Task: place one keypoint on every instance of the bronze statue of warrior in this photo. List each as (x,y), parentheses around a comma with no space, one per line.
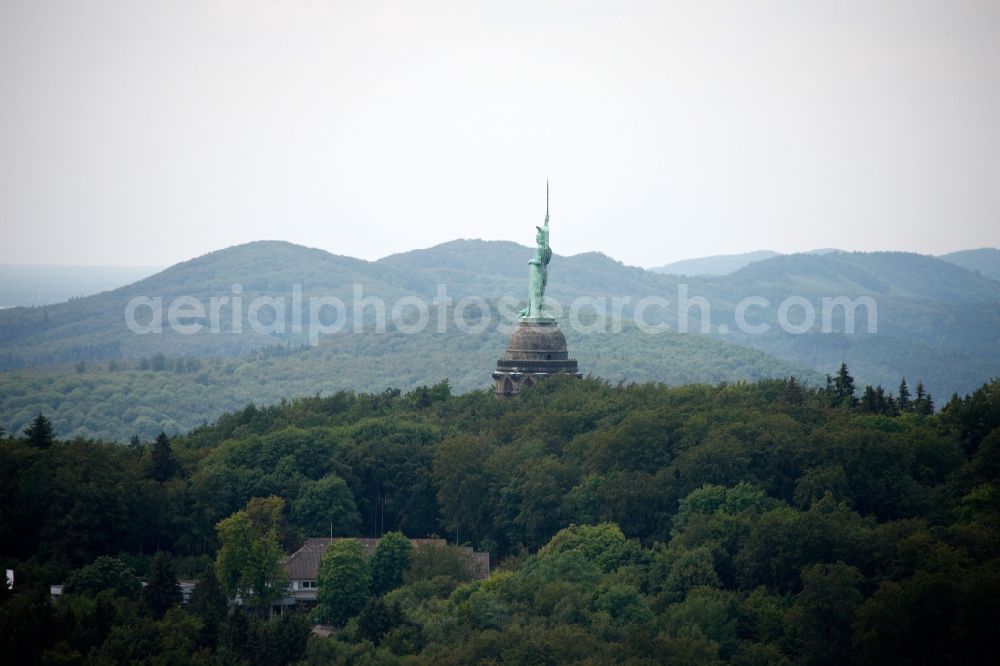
(538,272)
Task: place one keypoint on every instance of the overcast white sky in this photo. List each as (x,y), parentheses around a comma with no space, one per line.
(151,132)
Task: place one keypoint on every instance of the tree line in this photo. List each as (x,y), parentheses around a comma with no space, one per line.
(841,391)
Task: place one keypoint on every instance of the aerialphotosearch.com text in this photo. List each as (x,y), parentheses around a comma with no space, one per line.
(316,316)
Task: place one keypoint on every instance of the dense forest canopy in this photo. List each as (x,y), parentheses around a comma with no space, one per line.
(748,523)
(115,400)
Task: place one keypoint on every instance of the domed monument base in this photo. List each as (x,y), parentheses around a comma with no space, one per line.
(537,349)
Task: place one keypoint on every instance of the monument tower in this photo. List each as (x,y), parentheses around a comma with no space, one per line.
(537,348)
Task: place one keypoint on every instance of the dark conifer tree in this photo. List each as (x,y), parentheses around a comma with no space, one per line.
(287,636)
(843,387)
(235,638)
(955,402)
(208,602)
(40,433)
(923,403)
(163,466)
(793,392)
(869,401)
(886,404)
(162,592)
(905,404)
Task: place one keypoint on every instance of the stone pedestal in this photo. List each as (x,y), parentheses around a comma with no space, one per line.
(537,350)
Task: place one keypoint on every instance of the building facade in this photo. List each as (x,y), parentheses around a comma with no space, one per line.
(302,566)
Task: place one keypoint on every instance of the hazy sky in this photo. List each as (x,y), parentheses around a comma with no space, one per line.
(148,132)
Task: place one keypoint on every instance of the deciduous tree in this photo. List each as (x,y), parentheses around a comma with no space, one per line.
(104,573)
(824,612)
(326,505)
(344,581)
(248,563)
(389,562)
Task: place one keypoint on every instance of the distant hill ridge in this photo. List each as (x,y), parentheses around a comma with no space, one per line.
(984,260)
(27,285)
(720,264)
(936,321)
(901,274)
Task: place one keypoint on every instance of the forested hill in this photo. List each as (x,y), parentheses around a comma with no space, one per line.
(936,323)
(93,328)
(887,274)
(763,523)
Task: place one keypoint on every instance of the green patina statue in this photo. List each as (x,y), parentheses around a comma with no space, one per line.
(538,271)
